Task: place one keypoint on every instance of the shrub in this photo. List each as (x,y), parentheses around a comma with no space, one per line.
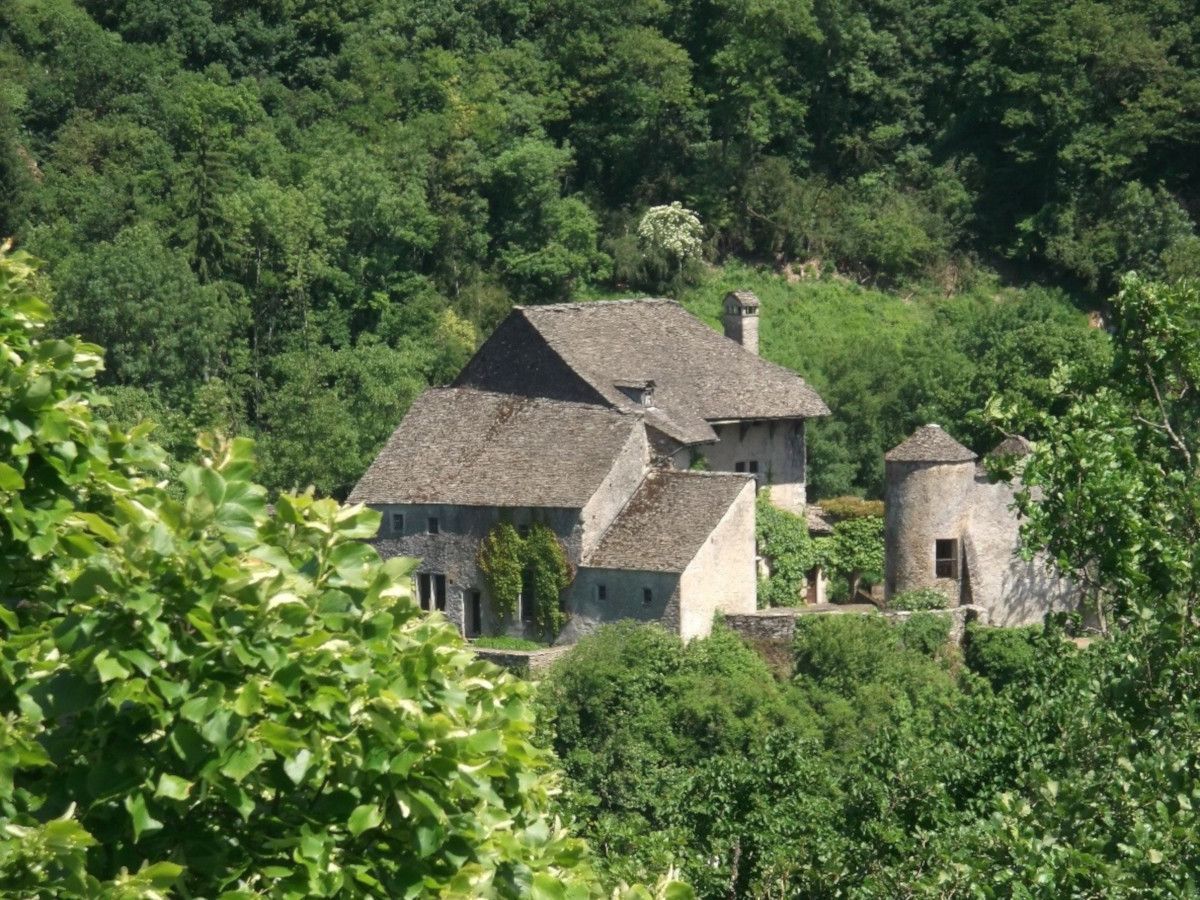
(783,540)
(925,633)
(850,507)
(506,642)
(919,600)
(231,701)
(537,563)
(1002,655)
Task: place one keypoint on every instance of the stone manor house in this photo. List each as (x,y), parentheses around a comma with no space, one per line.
(592,418)
(640,437)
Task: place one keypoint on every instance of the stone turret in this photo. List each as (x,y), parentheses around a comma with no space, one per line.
(929,482)
(741,319)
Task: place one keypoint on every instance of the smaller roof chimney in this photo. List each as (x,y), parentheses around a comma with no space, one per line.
(741,319)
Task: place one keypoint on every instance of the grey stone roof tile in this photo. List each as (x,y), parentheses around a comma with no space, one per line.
(1013,446)
(818,524)
(929,443)
(667,521)
(477,448)
(699,376)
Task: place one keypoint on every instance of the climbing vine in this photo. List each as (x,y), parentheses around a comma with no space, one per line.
(783,540)
(549,574)
(500,559)
(510,563)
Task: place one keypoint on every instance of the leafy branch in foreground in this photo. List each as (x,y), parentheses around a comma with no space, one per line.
(227,700)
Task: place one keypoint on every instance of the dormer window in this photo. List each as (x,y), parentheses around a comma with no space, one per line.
(640,391)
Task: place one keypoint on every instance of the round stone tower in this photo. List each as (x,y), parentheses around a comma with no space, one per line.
(928,484)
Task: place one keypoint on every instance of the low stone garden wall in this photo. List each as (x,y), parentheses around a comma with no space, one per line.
(771,631)
(523,662)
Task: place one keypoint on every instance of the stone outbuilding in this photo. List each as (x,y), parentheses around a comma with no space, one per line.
(949,527)
(593,419)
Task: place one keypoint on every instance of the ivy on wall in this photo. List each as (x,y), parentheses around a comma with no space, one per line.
(511,562)
(500,560)
(549,575)
(784,541)
(851,555)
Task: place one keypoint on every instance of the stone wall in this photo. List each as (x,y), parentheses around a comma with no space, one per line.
(931,501)
(925,502)
(616,489)
(528,663)
(624,598)
(723,576)
(453,550)
(1015,591)
(771,632)
(779,448)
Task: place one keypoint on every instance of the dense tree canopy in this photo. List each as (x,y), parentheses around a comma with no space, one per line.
(202,694)
(231,195)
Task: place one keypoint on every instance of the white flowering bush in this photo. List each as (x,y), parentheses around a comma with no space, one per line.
(673,230)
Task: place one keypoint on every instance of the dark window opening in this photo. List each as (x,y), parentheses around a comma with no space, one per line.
(439,592)
(434,526)
(424,590)
(397,523)
(601,592)
(739,467)
(523,530)
(945,558)
(474,623)
(647,596)
(752,467)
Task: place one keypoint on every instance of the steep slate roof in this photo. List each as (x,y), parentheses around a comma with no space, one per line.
(699,375)
(476,448)
(667,521)
(929,444)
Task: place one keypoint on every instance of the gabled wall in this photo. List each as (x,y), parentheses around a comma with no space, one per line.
(723,575)
(779,448)
(517,360)
(1013,590)
(616,489)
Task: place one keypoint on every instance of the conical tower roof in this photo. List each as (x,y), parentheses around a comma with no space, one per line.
(930,443)
(1015,446)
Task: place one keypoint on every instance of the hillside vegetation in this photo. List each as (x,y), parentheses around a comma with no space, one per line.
(284,218)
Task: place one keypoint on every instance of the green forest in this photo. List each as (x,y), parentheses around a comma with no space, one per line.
(284,218)
(238,238)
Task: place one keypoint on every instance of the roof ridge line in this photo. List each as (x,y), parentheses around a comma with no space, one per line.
(588,304)
(533,398)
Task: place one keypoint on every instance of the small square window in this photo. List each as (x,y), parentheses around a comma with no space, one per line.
(523,530)
(601,592)
(752,466)
(647,596)
(945,558)
(739,467)
(434,526)
(397,523)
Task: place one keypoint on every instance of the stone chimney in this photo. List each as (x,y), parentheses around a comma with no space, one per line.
(741,319)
